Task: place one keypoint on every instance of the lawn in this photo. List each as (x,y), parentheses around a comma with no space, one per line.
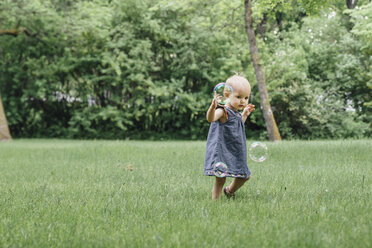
(65,193)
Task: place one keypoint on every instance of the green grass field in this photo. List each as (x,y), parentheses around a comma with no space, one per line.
(59,193)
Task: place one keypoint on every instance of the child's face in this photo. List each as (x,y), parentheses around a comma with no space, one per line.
(240,97)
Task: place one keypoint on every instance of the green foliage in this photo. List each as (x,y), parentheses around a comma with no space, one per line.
(145,69)
(317,77)
(362,29)
(128,70)
(361,18)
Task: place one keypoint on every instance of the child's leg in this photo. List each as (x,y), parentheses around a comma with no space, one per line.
(217,188)
(236,184)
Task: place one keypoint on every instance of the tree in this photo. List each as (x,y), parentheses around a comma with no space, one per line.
(271,126)
(351,3)
(4,130)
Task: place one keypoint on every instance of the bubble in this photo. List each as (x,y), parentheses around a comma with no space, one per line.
(222,93)
(258,152)
(220,169)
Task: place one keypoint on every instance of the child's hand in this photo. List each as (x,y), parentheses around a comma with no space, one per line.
(217,97)
(214,104)
(248,110)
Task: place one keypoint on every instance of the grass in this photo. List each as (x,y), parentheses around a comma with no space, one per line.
(63,193)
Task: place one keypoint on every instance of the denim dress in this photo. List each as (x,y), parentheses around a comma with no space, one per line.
(226,146)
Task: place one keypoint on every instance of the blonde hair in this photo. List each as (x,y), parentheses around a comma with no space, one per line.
(236,81)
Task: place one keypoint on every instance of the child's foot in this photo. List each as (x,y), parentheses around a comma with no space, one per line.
(228,194)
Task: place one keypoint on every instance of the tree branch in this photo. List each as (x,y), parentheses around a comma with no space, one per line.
(16,31)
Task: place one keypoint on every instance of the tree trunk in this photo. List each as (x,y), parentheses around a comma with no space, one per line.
(351,3)
(4,130)
(271,126)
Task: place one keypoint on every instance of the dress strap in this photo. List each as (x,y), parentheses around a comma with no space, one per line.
(224,110)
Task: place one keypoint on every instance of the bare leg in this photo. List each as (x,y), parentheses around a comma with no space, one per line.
(237,183)
(217,188)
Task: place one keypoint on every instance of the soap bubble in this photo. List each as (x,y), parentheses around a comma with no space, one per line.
(222,93)
(258,151)
(220,169)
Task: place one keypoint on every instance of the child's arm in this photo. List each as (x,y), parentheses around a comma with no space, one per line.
(247,111)
(214,114)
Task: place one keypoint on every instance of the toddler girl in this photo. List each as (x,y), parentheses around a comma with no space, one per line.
(226,142)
